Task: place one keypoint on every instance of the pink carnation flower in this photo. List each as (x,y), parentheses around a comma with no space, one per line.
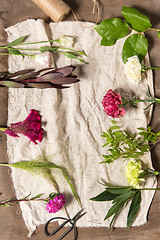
(56,204)
(30,127)
(110,103)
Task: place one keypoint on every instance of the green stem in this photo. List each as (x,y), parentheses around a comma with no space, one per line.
(148,68)
(37,42)
(24,49)
(154,189)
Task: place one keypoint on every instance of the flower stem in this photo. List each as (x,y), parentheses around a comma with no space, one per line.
(154,189)
(148,68)
(37,42)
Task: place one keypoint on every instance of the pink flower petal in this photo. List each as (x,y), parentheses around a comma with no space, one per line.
(30,127)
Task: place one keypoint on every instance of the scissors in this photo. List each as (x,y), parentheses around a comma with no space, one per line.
(72,221)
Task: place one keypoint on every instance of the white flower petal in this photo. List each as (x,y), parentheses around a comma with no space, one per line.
(132,69)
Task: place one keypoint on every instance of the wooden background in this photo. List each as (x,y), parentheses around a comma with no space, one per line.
(12,226)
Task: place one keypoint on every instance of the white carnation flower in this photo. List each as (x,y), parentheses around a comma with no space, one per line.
(66,41)
(132,69)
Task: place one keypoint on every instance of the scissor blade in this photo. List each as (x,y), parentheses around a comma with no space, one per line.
(78,215)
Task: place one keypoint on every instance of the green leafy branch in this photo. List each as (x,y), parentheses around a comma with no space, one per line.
(134,100)
(14,48)
(122,144)
(44,168)
(120,196)
(115,28)
(12,201)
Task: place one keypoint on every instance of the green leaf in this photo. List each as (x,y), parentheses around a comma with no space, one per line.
(135,205)
(71,185)
(111,30)
(136,44)
(137,20)
(124,196)
(158,34)
(6,205)
(48,49)
(12,84)
(118,190)
(14,51)
(104,196)
(115,208)
(17,41)
(113,128)
(37,196)
(115,216)
(106,42)
(69,54)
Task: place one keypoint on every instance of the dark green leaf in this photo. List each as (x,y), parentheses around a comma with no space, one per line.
(133,210)
(115,216)
(118,190)
(158,34)
(124,196)
(137,20)
(136,44)
(69,55)
(104,196)
(14,51)
(17,41)
(48,49)
(115,208)
(111,30)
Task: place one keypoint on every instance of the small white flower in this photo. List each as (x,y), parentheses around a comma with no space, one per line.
(45,59)
(66,41)
(132,69)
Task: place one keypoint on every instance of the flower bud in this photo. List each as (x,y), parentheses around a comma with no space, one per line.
(66,41)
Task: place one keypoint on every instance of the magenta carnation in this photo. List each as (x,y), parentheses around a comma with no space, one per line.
(111,102)
(30,127)
(56,204)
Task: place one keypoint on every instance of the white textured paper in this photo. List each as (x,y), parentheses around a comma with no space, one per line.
(73,120)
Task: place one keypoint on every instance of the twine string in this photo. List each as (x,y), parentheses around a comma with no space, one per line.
(96,8)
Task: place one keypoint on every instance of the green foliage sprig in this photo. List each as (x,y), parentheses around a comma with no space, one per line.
(16,48)
(115,28)
(122,144)
(120,196)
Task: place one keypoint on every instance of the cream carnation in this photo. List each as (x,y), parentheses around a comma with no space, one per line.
(132,69)
(133,172)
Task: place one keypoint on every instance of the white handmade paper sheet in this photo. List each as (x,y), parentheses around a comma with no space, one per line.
(73,120)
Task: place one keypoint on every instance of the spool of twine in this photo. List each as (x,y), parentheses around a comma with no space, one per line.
(57,10)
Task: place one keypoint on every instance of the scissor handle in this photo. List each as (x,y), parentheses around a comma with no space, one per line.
(60,227)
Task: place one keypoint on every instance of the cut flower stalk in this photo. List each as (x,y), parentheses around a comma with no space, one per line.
(54,202)
(120,196)
(44,167)
(14,49)
(45,78)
